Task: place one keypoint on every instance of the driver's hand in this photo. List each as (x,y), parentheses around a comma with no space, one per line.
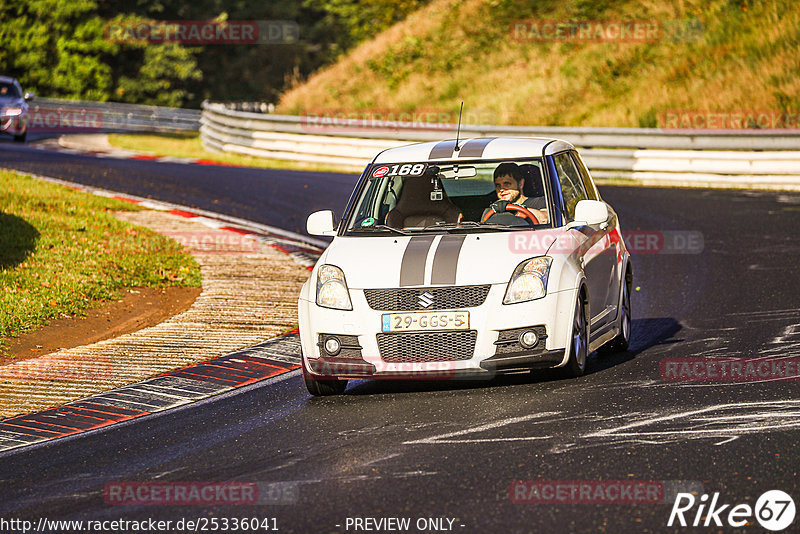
(499,206)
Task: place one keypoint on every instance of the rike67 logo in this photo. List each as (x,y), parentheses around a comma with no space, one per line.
(774,510)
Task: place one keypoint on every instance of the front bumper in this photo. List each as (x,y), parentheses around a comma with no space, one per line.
(493,350)
(350,368)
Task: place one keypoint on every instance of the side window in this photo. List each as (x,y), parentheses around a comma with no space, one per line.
(571,183)
(588,184)
(366,206)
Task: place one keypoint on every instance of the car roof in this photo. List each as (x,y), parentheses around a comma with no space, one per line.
(7,79)
(479,148)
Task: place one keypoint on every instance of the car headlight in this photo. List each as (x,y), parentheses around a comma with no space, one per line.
(332,288)
(529,281)
(12,111)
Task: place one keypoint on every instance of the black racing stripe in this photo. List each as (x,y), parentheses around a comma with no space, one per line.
(445,262)
(474,148)
(443,149)
(412,269)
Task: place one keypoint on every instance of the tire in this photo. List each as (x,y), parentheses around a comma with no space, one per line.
(621,342)
(579,344)
(20,138)
(323,388)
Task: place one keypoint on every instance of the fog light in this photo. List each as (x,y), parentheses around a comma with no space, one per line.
(528,339)
(332,346)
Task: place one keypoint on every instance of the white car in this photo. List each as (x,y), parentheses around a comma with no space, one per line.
(429,277)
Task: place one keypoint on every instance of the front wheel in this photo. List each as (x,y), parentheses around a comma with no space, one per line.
(579,345)
(323,388)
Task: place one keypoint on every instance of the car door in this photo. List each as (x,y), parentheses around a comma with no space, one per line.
(613,251)
(597,253)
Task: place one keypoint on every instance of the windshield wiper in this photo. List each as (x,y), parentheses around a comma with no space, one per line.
(443,224)
(379,227)
(468,224)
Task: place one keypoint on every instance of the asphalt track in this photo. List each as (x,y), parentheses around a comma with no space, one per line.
(453,449)
(284,199)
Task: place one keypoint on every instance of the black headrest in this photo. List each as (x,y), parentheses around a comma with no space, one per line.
(415,207)
(533,180)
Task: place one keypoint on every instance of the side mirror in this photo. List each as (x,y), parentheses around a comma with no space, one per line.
(590,212)
(28,96)
(321,223)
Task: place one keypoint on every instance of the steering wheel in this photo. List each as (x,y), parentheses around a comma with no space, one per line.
(514,207)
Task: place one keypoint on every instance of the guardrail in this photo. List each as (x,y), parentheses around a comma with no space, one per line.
(57,114)
(747,158)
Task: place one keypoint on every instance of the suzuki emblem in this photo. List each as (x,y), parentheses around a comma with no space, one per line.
(425,300)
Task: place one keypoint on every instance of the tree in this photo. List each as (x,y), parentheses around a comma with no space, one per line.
(62,49)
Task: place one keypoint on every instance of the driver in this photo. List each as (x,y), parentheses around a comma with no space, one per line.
(508,184)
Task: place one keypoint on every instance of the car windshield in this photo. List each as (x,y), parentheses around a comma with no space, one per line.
(8,90)
(451,196)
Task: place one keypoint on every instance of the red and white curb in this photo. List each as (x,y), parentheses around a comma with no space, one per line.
(266,360)
(270,359)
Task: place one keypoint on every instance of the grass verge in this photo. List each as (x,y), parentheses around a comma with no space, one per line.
(188,145)
(62,251)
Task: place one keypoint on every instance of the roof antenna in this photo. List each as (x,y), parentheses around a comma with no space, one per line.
(458,132)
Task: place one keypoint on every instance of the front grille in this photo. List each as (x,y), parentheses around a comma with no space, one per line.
(427,346)
(444,298)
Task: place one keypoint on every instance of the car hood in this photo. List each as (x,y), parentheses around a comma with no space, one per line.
(435,259)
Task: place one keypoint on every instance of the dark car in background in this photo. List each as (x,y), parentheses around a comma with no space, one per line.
(14,109)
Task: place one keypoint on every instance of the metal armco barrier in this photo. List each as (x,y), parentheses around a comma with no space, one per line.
(745,158)
(54,114)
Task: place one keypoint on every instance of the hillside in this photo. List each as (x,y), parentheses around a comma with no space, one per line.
(708,55)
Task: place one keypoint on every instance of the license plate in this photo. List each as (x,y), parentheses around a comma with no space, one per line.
(404,322)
